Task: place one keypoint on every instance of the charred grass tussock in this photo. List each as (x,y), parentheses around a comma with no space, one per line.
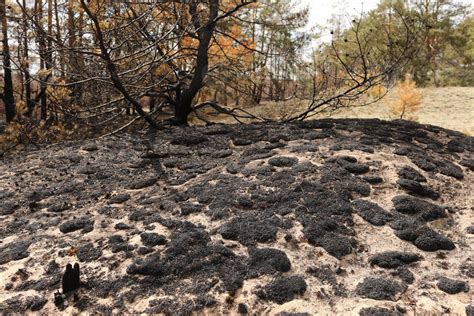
(214,223)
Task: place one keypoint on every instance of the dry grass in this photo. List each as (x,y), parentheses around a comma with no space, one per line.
(451,108)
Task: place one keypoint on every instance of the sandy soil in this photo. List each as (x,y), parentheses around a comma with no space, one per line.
(451,108)
(221,194)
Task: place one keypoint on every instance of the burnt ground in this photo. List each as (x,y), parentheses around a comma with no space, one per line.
(331,216)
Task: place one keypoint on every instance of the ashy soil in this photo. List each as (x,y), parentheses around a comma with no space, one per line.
(320,217)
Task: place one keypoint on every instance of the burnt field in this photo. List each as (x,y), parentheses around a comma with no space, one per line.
(343,216)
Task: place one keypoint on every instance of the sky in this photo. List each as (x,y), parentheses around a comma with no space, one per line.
(322,10)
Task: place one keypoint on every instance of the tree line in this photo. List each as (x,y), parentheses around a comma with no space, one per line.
(86,64)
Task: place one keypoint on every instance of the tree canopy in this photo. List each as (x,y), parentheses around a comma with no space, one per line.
(86,64)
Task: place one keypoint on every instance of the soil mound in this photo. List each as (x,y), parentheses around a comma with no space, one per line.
(329,216)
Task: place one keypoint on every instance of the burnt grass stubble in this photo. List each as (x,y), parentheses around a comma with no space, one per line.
(131,185)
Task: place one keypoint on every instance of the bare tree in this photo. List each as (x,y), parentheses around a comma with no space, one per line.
(176,54)
(187,68)
(363,58)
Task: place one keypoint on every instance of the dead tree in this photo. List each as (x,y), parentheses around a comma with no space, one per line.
(8,97)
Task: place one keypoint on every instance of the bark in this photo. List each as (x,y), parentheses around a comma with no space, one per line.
(184,105)
(49,53)
(8,97)
(75,62)
(225,94)
(41,36)
(26,68)
(71,40)
(58,39)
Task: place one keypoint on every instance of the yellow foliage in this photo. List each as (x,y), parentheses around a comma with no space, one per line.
(408,99)
(104,24)
(377,91)
(20,108)
(43,73)
(10,135)
(24,131)
(227,49)
(163,70)
(59,93)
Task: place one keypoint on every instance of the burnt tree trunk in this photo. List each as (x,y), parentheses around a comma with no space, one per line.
(184,104)
(43,59)
(26,68)
(8,97)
